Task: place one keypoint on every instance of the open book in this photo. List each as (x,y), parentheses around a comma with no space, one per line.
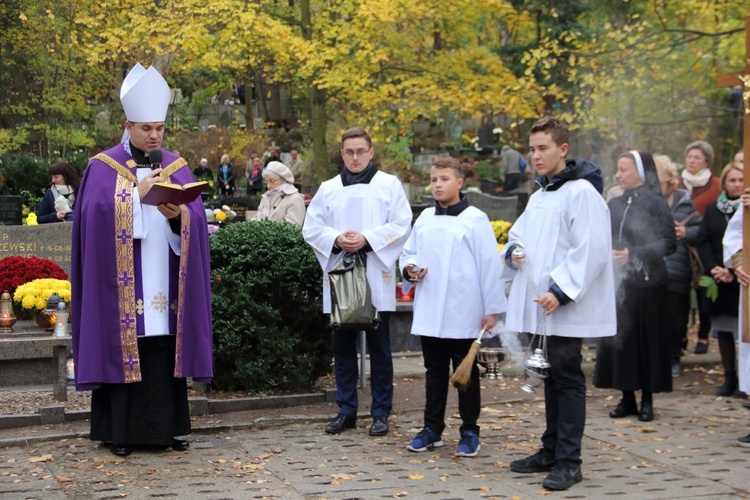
(162,193)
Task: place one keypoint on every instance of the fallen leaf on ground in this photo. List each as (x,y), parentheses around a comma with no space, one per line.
(416,476)
(62,479)
(43,458)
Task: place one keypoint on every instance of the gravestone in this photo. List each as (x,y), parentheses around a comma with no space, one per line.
(496,207)
(48,241)
(11,210)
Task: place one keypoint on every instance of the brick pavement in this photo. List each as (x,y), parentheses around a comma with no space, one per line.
(689,451)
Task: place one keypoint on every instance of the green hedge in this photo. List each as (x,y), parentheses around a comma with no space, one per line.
(269,330)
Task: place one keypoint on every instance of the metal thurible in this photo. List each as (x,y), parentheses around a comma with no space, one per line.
(536,369)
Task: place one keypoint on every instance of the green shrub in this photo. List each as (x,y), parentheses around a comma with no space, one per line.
(25,176)
(269,330)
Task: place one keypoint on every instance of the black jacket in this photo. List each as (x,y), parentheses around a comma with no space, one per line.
(643,223)
(575,168)
(710,235)
(678,264)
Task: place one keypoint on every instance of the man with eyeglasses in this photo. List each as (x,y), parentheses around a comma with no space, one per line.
(362,208)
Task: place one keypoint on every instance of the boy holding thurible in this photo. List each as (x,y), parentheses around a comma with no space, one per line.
(453,260)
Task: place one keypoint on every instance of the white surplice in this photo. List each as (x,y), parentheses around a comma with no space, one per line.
(380,211)
(732,243)
(462,283)
(567,237)
(157,240)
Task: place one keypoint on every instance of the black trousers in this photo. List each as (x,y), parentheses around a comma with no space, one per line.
(678,311)
(704,313)
(564,398)
(346,369)
(438,355)
(150,412)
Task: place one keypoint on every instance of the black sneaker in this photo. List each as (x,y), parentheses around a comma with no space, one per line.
(541,461)
(744,441)
(565,474)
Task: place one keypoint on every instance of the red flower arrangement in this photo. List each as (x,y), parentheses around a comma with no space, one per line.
(16,271)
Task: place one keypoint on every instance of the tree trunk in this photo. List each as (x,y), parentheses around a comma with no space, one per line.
(319,167)
(249,125)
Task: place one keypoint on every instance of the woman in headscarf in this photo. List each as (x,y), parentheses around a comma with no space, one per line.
(643,233)
(723,310)
(57,204)
(282,202)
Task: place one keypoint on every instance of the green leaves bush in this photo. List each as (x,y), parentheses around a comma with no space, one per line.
(269,330)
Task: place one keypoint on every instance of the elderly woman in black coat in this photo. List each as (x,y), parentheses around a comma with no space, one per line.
(643,233)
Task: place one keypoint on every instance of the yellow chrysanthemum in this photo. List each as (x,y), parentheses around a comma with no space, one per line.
(36,293)
(221,216)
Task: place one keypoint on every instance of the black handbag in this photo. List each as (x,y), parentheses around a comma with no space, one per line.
(351,298)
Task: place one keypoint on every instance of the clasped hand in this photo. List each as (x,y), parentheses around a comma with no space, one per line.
(351,241)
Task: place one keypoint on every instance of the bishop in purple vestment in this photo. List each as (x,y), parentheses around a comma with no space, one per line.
(121,252)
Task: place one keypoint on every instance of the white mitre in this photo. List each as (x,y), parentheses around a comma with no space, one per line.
(145,95)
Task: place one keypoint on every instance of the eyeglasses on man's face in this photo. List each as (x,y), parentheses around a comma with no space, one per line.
(351,153)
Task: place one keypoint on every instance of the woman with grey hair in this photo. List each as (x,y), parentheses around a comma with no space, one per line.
(282,202)
(704,189)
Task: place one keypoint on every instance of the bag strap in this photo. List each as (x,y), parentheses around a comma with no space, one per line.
(688,218)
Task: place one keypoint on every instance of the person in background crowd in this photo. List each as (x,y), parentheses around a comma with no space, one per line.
(686,223)
(254,175)
(282,202)
(296,166)
(704,188)
(57,204)
(361,209)
(723,310)
(510,164)
(202,172)
(225,177)
(273,155)
(643,234)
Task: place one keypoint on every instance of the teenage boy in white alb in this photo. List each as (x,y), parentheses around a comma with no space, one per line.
(565,231)
(459,292)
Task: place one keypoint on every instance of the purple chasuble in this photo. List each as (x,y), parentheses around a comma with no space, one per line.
(105,277)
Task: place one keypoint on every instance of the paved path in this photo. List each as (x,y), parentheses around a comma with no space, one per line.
(689,451)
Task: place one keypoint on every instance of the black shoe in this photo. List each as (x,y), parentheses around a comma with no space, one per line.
(739,394)
(341,423)
(180,445)
(729,386)
(120,451)
(647,411)
(379,426)
(624,409)
(541,461)
(701,347)
(565,474)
